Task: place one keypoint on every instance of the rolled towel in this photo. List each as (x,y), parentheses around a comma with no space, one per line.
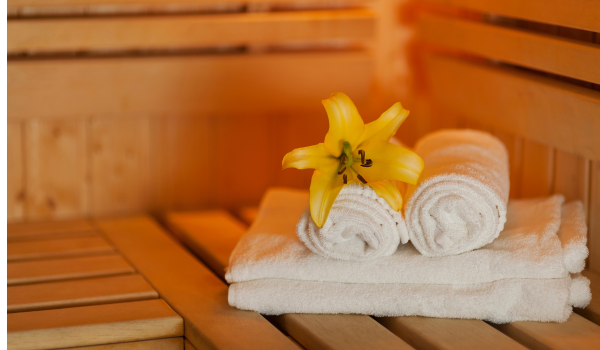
(460,201)
(361,226)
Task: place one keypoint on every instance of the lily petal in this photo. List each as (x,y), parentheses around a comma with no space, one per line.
(385,126)
(387,190)
(345,124)
(324,189)
(312,157)
(391,162)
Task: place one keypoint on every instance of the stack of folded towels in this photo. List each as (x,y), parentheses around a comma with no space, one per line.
(461,250)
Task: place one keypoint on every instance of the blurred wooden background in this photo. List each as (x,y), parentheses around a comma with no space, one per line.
(123,106)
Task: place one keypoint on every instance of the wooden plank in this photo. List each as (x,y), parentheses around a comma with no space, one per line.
(92,325)
(443,333)
(182,85)
(56,169)
(521,103)
(581,14)
(119,166)
(592,311)
(157,344)
(572,177)
(575,333)
(92,291)
(188,346)
(514,145)
(24,272)
(52,248)
(553,54)
(198,231)
(178,182)
(213,235)
(537,170)
(594,218)
(49,229)
(190,288)
(248,214)
(185,31)
(15,196)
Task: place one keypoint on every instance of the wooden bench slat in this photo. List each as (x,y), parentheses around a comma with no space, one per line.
(35,230)
(580,14)
(92,291)
(157,344)
(181,32)
(23,272)
(444,333)
(562,56)
(50,248)
(575,333)
(92,325)
(592,311)
(202,231)
(190,288)
(205,84)
(540,108)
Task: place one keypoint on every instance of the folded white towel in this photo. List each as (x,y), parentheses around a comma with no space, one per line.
(520,276)
(361,226)
(460,201)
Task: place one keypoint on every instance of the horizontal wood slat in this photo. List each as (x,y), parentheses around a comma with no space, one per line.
(184,32)
(214,234)
(24,272)
(182,85)
(91,325)
(575,333)
(94,291)
(52,248)
(157,344)
(592,311)
(546,110)
(562,56)
(581,14)
(53,229)
(190,288)
(444,333)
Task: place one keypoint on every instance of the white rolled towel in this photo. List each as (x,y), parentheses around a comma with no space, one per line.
(361,226)
(459,203)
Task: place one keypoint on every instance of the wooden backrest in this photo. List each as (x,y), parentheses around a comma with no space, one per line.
(529,72)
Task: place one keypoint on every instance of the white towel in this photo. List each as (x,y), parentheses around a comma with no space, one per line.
(520,276)
(459,203)
(361,226)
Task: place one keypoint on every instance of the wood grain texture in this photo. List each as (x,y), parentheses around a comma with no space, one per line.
(188,346)
(182,85)
(15,186)
(594,222)
(47,270)
(548,53)
(157,344)
(185,31)
(581,14)
(442,333)
(53,248)
(48,229)
(92,325)
(183,149)
(572,177)
(521,103)
(592,311)
(57,183)
(92,291)
(190,288)
(575,333)
(120,156)
(537,170)
(514,146)
(212,235)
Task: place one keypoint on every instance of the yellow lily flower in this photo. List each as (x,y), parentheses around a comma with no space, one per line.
(355,152)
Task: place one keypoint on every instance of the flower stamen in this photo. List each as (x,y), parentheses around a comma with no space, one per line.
(345,178)
(362,179)
(343,159)
(367,164)
(362,156)
(342,171)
